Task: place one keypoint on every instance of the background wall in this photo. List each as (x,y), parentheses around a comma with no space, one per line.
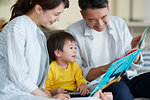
(5,6)
(117,7)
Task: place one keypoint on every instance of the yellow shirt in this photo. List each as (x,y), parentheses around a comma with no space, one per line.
(68,79)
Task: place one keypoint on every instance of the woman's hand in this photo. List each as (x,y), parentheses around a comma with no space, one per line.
(46,92)
(58,90)
(62,96)
(39,92)
(83,89)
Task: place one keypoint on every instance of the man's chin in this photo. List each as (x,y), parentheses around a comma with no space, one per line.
(99,30)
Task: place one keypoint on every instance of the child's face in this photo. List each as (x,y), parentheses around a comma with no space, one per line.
(69,51)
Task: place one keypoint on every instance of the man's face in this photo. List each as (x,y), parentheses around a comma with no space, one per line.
(96,18)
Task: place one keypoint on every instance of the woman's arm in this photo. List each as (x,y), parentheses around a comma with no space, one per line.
(39,92)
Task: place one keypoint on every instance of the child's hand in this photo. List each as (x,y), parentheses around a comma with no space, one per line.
(62,96)
(83,89)
(60,90)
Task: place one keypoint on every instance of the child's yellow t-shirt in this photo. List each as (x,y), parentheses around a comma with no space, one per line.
(68,79)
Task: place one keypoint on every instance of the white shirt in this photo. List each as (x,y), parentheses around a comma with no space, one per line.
(99,48)
(24,58)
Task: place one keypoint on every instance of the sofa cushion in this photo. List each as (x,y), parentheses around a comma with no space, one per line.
(146,58)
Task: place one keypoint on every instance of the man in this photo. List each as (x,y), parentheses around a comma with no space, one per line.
(101,40)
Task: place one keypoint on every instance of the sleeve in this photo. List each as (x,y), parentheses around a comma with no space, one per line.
(82,63)
(78,75)
(17,66)
(49,80)
(127,40)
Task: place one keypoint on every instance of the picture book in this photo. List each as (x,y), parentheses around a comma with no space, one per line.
(118,68)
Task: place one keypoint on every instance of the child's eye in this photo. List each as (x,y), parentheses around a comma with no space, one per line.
(71,47)
(75,47)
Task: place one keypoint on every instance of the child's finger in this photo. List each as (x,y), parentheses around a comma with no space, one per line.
(83,92)
(78,89)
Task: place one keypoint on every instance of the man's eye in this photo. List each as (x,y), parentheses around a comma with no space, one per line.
(92,20)
(104,17)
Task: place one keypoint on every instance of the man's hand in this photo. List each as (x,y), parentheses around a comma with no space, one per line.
(83,89)
(135,42)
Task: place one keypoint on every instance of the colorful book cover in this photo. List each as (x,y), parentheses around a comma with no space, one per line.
(118,68)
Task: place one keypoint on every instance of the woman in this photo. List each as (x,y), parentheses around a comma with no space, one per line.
(23,54)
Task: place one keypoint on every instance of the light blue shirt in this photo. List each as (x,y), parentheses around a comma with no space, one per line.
(24,58)
(119,43)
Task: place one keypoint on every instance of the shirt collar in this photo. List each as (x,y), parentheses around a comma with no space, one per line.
(34,26)
(110,26)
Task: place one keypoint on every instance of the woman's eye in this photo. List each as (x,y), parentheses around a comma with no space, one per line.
(56,14)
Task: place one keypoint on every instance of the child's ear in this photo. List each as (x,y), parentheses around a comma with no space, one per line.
(57,53)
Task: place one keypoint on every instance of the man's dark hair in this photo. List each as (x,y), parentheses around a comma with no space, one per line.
(93,4)
(56,41)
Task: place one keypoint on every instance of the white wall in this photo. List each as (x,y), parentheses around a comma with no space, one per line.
(117,7)
(5,6)
(139,9)
(69,16)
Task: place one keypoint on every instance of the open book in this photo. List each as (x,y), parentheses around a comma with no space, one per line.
(118,68)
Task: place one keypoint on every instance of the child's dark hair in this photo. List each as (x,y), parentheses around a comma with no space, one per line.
(56,41)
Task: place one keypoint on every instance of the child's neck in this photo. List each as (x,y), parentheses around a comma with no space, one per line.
(62,64)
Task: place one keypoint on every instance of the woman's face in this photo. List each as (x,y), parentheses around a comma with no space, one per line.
(48,17)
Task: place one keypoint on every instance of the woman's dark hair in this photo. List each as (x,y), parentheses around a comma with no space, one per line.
(56,41)
(23,6)
(93,4)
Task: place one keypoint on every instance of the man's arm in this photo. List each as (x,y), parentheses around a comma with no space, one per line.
(97,72)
